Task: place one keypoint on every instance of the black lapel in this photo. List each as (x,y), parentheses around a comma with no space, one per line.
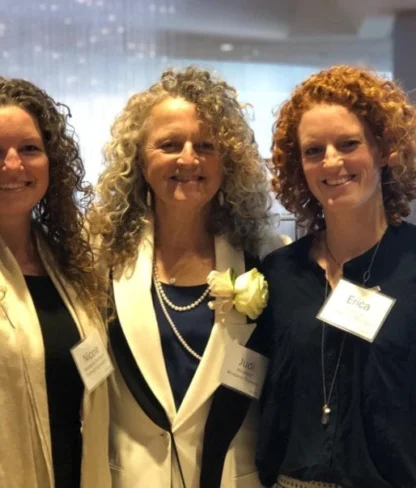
(226,416)
(134,378)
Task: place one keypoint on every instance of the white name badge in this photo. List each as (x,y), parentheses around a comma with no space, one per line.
(92,360)
(244,370)
(359,311)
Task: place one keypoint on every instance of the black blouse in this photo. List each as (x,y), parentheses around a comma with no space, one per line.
(370,440)
(63,383)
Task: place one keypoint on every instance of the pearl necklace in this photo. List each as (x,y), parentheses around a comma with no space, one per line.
(165,299)
(178,335)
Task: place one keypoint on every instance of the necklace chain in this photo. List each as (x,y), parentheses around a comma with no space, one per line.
(367,274)
(178,335)
(326,410)
(165,299)
(330,253)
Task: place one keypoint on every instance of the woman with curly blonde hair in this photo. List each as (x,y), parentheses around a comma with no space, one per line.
(184,193)
(47,289)
(340,396)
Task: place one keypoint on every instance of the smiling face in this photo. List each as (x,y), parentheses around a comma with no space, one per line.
(182,163)
(340,158)
(24,166)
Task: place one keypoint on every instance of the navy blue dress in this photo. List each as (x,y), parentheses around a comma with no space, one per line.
(195,327)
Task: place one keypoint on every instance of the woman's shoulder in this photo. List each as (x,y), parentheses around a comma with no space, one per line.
(272,241)
(404,231)
(400,240)
(292,253)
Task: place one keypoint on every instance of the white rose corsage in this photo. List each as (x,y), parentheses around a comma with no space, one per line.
(248,293)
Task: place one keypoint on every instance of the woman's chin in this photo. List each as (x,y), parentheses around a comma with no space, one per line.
(186,201)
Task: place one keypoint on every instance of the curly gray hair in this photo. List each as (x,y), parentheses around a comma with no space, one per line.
(120,213)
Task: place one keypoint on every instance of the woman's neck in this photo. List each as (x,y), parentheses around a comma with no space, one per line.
(184,249)
(348,235)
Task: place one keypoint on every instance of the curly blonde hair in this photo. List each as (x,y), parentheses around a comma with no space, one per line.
(121,212)
(387,112)
(60,213)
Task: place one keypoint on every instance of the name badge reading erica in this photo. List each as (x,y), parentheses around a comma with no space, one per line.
(92,360)
(359,311)
(244,370)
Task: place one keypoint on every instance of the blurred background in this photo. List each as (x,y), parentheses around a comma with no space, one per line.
(93,54)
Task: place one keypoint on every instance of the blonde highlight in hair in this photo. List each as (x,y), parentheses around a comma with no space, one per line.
(120,213)
(387,112)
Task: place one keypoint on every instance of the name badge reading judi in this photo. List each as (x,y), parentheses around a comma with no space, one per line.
(359,311)
(244,370)
(92,360)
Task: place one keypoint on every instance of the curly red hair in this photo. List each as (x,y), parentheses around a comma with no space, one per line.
(387,112)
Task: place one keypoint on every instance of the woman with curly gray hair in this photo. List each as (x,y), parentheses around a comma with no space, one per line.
(47,294)
(184,193)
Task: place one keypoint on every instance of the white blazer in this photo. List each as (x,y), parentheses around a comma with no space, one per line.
(25,446)
(141,452)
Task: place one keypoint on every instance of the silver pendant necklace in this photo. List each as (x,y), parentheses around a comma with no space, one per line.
(326,409)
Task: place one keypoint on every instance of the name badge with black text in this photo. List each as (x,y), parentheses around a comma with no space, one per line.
(244,370)
(359,311)
(92,360)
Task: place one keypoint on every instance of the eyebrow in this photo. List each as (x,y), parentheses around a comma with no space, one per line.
(32,139)
(308,139)
(173,134)
(164,133)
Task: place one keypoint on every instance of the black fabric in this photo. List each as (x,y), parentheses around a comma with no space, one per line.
(63,383)
(226,416)
(195,327)
(370,440)
(134,378)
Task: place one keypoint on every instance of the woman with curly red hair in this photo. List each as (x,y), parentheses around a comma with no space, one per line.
(53,431)
(339,402)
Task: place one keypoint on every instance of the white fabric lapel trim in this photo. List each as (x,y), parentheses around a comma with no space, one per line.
(134,305)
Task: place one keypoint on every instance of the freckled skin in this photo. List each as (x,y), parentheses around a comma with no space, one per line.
(340,158)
